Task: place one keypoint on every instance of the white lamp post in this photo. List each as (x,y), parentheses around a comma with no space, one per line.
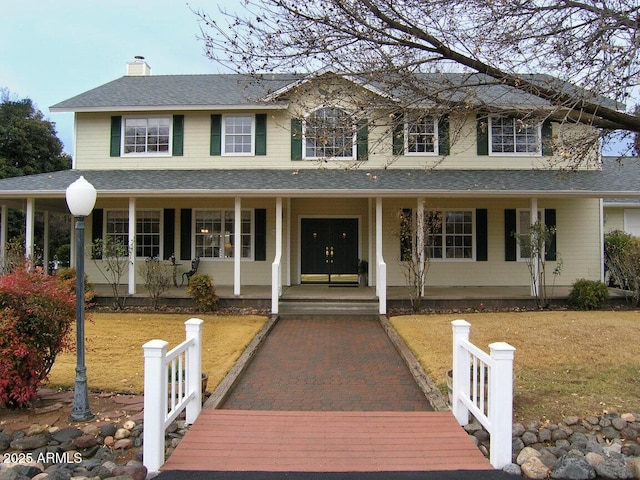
(81,198)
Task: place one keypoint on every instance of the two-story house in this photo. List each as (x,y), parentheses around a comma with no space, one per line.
(293,179)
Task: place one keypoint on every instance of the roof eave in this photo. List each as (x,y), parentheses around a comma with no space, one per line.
(161,108)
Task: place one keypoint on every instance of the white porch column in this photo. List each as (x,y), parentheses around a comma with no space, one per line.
(132,246)
(237,245)
(381,267)
(3,233)
(602,272)
(370,243)
(276,266)
(420,242)
(29,228)
(45,251)
(533,218)
(288,246)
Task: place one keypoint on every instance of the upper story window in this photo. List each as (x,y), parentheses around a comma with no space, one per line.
(238,134)
(147,136)
(329,133)
(421,136)
(514,136)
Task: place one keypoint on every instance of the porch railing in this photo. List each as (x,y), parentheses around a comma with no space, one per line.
(483,387)
(172,383)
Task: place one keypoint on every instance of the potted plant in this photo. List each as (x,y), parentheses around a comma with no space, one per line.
(363,272)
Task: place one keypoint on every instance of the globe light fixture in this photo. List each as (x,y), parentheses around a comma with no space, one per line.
(81,198)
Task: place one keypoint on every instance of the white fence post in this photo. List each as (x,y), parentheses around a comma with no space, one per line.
(460,373)
(501,403)
(193,328)
(155,403)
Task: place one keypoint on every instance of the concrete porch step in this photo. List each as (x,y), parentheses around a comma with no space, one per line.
(329,307)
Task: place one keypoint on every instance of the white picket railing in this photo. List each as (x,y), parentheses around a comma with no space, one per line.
(172,383)
(483,387)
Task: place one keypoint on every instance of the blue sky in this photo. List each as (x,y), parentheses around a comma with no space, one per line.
(51,50)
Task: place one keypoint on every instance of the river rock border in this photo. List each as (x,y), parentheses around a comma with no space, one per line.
(91,451)
(606,446)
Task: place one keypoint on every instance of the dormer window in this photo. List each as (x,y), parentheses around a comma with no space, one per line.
(147,136)
(329,133)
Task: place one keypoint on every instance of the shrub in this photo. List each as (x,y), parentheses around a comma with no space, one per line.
(203,292)
(36,315)
(622,260)
(158,277)
(588,294)
(67,277)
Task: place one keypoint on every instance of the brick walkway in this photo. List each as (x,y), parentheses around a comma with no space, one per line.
(327,365)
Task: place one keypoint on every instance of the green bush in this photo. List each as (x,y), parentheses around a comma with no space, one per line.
(622,261)
(203,292)
(588,294)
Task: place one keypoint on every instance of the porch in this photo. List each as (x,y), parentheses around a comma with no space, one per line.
(259,296)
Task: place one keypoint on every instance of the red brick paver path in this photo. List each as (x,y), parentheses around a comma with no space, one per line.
(327,365)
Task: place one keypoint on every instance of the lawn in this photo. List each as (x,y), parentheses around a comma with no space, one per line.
(566,362)
(114,355)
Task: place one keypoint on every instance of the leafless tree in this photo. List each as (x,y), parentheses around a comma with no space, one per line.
(587,49)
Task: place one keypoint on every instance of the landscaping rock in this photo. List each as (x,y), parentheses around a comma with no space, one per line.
(613,469)
(66,434)
(526,454)
(533,467)
(573,467)
(30,443)
(512,469)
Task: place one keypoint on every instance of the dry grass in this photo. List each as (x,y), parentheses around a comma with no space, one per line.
(114,355)
(566,363)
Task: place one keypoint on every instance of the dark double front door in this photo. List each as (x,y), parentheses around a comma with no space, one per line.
(329,250)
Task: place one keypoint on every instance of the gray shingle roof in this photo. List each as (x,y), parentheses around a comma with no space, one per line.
(615,180)
(220,90)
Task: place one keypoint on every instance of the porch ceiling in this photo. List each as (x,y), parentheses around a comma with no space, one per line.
(617,180)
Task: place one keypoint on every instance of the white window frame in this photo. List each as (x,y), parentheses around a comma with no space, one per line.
(146,153)
(225,134)
(519,232)
(538,143)
(224,235)
(125,233)
(354,146)
(407,134)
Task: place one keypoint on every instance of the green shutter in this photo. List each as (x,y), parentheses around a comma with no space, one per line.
(510,242)
(116,131)
(216,135)
(169,226)
(547,138)
(550,223)
(97,220)
(296,139)
(443,135)
(362,140)
(261,134)
(185,234)
(482,134)
(398,134)
(481,235)
(178,136)
(260,218)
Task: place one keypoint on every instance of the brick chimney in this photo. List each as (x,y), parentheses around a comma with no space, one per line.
(138,67)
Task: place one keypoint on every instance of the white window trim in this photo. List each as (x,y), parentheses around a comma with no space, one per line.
(222,211)
(354,128)
(537,153)
(106,216)
(519,212)
(123,130)
(224,136)
(436,147)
